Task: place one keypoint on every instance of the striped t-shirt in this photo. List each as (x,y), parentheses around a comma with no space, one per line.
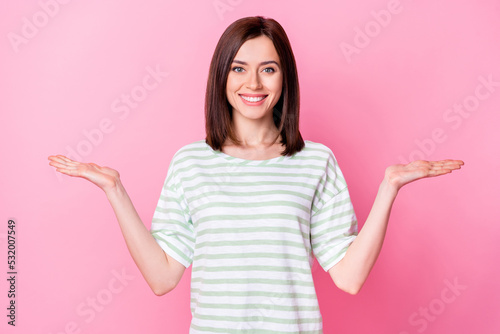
(250,229)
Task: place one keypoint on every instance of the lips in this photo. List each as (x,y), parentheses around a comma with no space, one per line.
(253,99)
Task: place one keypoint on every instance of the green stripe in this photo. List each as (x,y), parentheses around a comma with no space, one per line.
(169,210)
(311,157)
(332,218)
(169,221)
(222,165)
(250,183)
(334,205)
(335,257)
(253,193)
(244,174)
(250,205)
(326,250)
(317,148)
(345,226)
(227,256)
(250,268)
(251,294)
(250,281)
(188,234)
(250,243)
(256,306)
(175,249)
(238,230)
(258,319)
(196,157)
(267,216)
(239,331)
(251,163)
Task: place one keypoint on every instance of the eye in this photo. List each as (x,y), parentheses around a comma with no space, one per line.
(238,69)
(269,70)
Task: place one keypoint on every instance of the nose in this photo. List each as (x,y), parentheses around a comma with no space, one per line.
(254,82)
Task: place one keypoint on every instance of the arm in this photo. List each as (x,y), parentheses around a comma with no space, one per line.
(162,272)
(350,273)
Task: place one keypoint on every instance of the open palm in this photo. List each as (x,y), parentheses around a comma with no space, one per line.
(104,177)
(400,175)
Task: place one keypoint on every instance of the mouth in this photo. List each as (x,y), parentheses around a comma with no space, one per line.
(253,99)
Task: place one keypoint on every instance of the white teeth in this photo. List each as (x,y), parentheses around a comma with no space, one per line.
(253,99)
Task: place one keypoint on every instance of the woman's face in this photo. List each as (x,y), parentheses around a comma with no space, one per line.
(255,79)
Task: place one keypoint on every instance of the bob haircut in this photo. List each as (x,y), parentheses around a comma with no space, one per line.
(218,111)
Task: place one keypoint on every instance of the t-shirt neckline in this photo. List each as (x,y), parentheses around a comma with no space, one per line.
(232,159)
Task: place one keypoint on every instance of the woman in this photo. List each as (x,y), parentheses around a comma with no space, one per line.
(250,205)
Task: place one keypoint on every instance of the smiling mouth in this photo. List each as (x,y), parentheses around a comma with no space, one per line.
(257,98)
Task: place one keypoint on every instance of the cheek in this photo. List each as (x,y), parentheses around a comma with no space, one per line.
(276,85)
(232,86)
(230,98)
(229,89)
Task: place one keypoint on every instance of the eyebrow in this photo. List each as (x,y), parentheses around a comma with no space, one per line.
(261,64)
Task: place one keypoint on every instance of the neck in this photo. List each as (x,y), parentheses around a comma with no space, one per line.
(255,132)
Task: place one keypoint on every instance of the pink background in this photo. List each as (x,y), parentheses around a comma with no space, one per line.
(388,100)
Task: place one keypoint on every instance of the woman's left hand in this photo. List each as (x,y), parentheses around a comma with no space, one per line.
(400,175)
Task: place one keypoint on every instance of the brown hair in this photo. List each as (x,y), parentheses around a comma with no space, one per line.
(218,111)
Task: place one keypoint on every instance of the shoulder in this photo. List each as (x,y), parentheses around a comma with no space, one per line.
(311,145)
(185,156)
(191,150)
(323,156)
(318,149)
(332,169)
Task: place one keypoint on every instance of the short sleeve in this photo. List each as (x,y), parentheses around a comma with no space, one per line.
(333,221)
(171,225)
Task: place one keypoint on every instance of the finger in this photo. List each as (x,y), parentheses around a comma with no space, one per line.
(62,158)
(460,162)
(70,172)
(62,165)
(446,168)
(452,165)
(437,172)
(456,164)
(438,164)
(57,162)
(447,164)
(66,159)
(56,158)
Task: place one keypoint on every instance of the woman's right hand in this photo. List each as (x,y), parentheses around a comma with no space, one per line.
(161,271)
(103,177)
